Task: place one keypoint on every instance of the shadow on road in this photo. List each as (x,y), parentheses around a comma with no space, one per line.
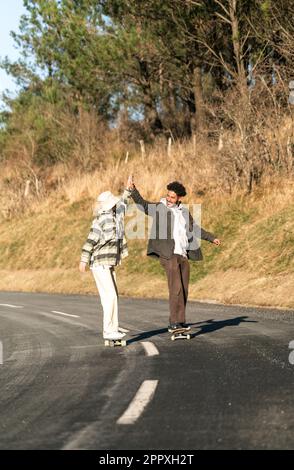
(207,326)
(214,325)
(147,334)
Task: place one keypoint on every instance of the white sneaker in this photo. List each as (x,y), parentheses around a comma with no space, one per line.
(115,335)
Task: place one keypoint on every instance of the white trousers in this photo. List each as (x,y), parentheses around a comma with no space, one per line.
(105,279)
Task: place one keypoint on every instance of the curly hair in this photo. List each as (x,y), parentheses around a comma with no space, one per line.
(177,188)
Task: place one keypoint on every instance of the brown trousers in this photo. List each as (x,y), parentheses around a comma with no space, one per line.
(177,269)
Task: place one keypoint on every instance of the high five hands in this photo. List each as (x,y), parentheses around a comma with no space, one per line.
(130,182)
(130,185)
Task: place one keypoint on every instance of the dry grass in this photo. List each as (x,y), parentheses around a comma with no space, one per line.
(190,162)
(232,287)
(246,288)
(254,266)
(42,235)
(192,165)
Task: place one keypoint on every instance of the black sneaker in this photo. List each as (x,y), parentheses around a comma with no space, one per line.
(184,326)
(173,327)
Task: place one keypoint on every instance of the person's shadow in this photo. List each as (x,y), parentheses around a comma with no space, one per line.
(210,326)
(206,326)
(146,335)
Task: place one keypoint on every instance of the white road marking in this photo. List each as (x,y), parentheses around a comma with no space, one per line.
(11,306)
(140,401)
(66,314)
(64,320)
(150,348)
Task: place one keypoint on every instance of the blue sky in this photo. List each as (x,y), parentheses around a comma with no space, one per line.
(10,13)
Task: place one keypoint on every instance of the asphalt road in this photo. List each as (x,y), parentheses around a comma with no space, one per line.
(230,387)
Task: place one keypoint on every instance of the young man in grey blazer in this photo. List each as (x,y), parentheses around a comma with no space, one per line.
(174,241)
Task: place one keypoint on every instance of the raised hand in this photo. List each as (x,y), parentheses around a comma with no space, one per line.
(130,182)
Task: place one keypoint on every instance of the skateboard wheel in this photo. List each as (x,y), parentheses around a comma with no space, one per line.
(115,342)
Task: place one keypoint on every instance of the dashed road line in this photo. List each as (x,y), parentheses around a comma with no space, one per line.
(63,319)
(66,314)
(11,306)
(150,348)
(143,396)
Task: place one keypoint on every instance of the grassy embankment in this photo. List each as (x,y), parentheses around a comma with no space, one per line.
(40,249)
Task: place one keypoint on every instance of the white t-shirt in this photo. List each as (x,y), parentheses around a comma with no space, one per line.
(179,232)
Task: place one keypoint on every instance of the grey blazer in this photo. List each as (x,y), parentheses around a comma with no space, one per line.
(159,246)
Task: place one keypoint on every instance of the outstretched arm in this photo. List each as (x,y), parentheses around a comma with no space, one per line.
(137,198)
(204,234)
(125,198)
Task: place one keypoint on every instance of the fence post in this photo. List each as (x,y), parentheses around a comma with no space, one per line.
(169,146)
(220,143)
(291,95)
(194,144)
(143,153)
(27,188)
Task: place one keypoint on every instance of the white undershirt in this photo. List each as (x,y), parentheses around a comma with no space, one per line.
(179,232)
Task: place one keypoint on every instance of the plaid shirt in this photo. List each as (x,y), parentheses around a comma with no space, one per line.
(106,243)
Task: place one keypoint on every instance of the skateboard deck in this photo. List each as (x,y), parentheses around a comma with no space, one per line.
(115,342)
(180,333)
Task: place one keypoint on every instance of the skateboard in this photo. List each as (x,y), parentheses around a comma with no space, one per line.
(115,342)
(180,333)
